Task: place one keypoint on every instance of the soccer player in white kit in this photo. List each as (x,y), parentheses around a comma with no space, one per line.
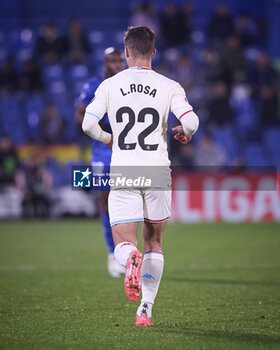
(138,101)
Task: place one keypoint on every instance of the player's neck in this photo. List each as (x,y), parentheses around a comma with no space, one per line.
(140,63)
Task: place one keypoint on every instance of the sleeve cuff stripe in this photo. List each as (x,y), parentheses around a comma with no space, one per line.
(96,116)
(185,113)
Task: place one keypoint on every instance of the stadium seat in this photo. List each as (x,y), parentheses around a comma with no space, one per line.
(22,43)
(65,105)
(118,38)
(78,74)
(254,155)
(12,117)
(96,38)
(2,38)
(34,107)
(272,139)
(3,54)
(3,47)
(57,87)
(246,119)
(52,72)
(271,144)
(54,79)
(226,138)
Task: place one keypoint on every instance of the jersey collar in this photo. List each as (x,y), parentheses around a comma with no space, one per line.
(139,67)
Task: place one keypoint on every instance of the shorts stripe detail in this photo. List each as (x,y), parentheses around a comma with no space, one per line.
(126,220)
(157,221)
(96,116)
(185,113)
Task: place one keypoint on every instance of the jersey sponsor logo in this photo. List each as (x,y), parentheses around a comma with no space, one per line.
(147,90)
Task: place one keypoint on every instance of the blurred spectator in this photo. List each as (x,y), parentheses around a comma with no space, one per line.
(244,112)
(51,126)
(31,79)
(50,43)
(187,11)
(9,79)
(37,188)
(209,153)
(224,74)
(210,64)
(199,97)
(186,157)
(145,14)
(262,31)
(262,73)
(246,28)
(76,44)
(221,23)
(233,58)
(183,71)
(213,68)
(173,26)
(269,106)
(220,112)
(9,163)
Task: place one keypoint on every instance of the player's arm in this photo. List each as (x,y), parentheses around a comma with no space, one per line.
(185,114)
(93,114)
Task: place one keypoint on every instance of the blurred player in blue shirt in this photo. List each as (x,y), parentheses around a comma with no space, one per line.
(101,153)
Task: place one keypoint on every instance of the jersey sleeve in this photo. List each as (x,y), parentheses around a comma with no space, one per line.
(94,113)
(98,106)
(179,102)
(183,111)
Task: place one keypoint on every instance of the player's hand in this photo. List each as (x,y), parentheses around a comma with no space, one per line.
(180,135)
(110,144)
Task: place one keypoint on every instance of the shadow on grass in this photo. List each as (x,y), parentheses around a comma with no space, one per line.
(222,281)
(222,334)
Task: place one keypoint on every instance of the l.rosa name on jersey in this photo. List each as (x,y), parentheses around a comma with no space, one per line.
(147,90)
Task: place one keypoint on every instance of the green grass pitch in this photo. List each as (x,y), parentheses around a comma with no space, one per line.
(220,289)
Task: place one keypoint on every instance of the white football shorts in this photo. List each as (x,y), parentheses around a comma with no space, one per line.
(133,205)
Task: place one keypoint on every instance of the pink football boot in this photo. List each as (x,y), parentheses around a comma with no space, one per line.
(132,280)
(143,320)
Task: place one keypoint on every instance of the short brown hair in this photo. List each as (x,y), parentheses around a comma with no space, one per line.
(140,40)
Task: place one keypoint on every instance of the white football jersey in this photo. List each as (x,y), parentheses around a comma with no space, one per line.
(138,101)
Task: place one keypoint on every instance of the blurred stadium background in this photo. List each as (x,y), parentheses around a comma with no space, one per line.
(226,55)
(221,283)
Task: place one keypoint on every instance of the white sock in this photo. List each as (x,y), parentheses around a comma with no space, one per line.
(145,307)
(122,251)
(152,269)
